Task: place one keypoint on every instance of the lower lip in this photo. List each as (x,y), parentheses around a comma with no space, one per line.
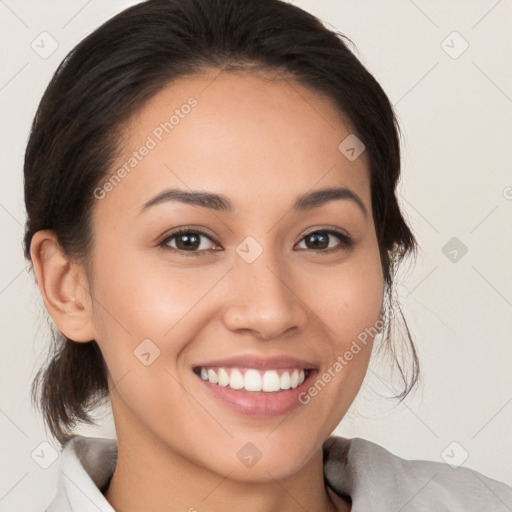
(259,404)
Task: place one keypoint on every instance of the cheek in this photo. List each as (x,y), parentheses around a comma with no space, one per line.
(350,297)
(137,300)
(349,303)
(141,298)
(137,307)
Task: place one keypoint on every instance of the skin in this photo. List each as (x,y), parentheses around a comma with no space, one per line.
(260,140)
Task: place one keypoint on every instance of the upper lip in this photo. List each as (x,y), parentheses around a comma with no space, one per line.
(248,361)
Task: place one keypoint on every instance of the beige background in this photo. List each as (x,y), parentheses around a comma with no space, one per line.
(456,114)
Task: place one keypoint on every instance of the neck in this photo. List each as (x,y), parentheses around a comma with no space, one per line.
(155,475)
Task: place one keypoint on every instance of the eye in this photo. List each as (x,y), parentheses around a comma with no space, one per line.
(187,240)
(320,239)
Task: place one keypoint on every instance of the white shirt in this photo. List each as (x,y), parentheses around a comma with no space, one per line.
(375,479)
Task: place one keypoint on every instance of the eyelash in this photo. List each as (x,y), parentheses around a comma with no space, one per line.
(346,241)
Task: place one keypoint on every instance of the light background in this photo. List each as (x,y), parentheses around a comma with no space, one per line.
(456,116)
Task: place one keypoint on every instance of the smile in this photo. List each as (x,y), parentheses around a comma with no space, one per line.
(255,392)
(252,379)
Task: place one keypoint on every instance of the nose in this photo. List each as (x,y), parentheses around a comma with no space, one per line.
(264,298)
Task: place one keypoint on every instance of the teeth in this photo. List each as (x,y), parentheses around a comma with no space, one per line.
(285,381)
(294,379)
(223,377)
(271,381)
(254,380)
(212,377)
(236,380)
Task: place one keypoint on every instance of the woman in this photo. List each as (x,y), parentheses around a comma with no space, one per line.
(212,222)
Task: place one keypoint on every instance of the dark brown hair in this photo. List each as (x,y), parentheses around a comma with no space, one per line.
(112,73)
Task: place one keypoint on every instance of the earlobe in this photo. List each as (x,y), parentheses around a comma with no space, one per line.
(63,286)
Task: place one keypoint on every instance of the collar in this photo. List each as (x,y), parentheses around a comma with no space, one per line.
(357,469)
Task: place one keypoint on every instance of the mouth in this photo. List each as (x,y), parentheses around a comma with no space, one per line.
(254,379)
(256,393)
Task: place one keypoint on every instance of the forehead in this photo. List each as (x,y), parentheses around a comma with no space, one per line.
(256,138)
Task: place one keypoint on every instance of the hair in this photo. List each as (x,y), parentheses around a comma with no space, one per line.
(109,76)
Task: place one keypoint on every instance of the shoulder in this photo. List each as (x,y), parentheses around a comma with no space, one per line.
(86,465)
(372,475)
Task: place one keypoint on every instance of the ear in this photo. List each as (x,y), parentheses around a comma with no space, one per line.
(63,286)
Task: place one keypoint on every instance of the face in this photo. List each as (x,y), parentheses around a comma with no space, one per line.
(260,279)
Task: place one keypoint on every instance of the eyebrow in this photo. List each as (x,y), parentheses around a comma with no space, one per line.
(220,202)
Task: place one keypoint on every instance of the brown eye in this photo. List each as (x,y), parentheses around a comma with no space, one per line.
(320,240)
(187,240)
